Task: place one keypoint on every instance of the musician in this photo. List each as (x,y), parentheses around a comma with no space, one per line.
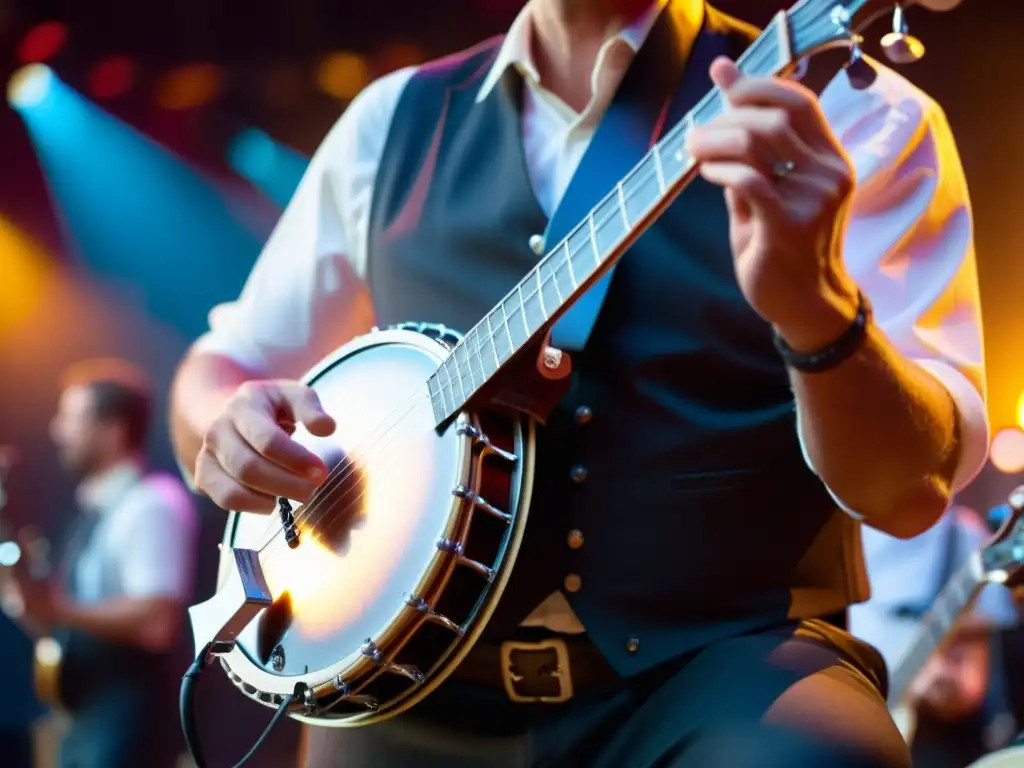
(117,604)
(959,697)
(694,537)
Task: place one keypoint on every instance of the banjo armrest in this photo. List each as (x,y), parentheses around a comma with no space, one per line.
(217,622)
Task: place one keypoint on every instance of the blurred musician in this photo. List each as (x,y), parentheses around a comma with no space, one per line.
(116,605)
(18,709)
(958,698)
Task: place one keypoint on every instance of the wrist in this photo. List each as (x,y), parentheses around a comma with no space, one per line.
(817,322)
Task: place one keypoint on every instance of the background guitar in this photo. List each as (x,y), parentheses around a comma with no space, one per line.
(30,551)
(998,562)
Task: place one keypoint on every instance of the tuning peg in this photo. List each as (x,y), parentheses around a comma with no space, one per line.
(900,46)
(859,69)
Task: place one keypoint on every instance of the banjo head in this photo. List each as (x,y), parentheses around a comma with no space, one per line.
(384,592)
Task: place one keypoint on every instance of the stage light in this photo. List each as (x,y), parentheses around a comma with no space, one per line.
(252,154)
(10,554)
(1020,411)
(42,42)
(1007,451)
(29,86)
(343,75)
(111,77)
(190,87)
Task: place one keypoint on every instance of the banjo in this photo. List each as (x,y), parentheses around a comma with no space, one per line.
(354,606)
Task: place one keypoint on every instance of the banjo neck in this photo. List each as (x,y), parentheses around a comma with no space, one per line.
(599,240)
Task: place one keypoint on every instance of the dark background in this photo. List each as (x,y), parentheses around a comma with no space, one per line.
(266,54)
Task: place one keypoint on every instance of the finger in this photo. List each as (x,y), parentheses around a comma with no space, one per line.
(725,72)
(744,181)
(736,145)
(256,472)
(225,491)
(304,407)
(256,421)
(770,124)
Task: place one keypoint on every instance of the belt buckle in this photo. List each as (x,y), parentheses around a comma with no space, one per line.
(562,672)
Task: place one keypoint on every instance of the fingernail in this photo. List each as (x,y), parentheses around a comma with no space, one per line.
(316,474)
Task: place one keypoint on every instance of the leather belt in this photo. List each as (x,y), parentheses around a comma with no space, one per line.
(550,670)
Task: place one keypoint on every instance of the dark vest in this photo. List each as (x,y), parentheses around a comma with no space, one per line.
(700,518)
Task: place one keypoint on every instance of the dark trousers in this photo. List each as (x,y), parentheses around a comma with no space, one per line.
(794,697)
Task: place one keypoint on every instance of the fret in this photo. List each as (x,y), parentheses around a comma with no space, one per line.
(504,346)
(593,239)
(608,226)
(641,189)
(465,369)
(561,267)
(707,109)
(581,253)
(450,363)
(765,56)
(659,170)
(533,306)
(447,384)
(486,357)
(492,343)
(548,287)
(515,313)
(622,205)
(573,285)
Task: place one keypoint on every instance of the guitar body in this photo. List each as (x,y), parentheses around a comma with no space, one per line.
(393,580)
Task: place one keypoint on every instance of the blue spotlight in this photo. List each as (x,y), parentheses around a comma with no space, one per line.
(30,85)
(252,154)
(272,167)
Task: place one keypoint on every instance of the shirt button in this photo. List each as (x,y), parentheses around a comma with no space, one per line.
(633,644)
(575,538)
(583,415)
(573,582)
(578,474)
(537,244)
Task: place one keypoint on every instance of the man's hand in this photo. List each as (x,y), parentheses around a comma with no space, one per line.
(34,603)
(952,684)
(787,183)
(248,457)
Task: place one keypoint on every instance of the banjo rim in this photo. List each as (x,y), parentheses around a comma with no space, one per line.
(269,689)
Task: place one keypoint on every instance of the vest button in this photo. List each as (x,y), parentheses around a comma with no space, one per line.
(578,474)
(583,415)
(574,539)
(633,644)
(537,244)
(573,582)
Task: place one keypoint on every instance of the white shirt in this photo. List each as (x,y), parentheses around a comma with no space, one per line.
(909,573)
(908,245)
(143,545)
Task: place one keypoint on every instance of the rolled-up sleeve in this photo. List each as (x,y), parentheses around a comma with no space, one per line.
(909,244)
(305,295)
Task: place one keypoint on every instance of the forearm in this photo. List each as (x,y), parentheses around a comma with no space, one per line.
(881,432)
(151,623)
(202,385)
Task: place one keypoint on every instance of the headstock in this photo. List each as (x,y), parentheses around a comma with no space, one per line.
(817,25)
(1003,556)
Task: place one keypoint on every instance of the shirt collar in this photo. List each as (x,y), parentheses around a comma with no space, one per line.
(515,49)
(103,491)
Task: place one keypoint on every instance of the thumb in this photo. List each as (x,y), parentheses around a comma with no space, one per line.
(307,410)
(724,73)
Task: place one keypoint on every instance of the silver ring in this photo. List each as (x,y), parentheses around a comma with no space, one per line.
(783,168)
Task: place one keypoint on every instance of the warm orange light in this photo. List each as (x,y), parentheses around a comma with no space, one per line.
(343,75)
(1020,410)
(1007,451)
(190,87)
(25,269)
